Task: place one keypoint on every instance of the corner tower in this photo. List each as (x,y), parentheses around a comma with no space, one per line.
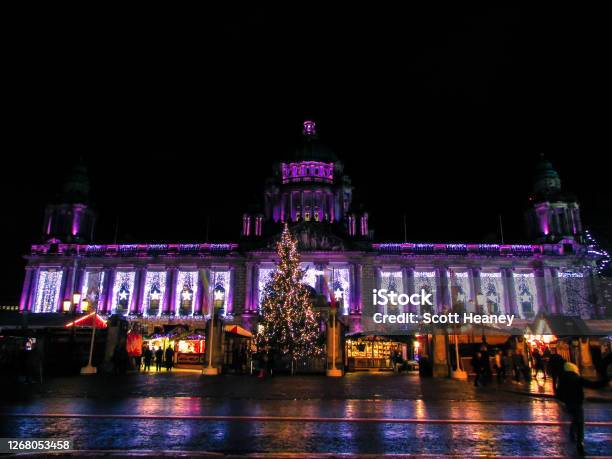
(70,219)
(553,214)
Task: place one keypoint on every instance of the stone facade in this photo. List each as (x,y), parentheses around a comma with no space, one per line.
(311,193)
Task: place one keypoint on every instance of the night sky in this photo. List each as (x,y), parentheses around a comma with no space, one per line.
(440,114)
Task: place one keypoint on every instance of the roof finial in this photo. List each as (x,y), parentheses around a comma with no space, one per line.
(310,128)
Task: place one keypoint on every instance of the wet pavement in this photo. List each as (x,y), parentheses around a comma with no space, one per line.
(360,413)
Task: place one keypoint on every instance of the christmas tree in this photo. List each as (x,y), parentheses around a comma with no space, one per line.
(288,324)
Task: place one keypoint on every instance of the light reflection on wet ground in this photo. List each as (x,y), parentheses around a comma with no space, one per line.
(531,410)
(347,437)
(349,399)
(313,437)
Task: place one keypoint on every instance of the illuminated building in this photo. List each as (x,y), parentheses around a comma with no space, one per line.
(178,283)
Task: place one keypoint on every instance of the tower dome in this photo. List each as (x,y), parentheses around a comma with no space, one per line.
(546,178)
(553,214)
(70,219)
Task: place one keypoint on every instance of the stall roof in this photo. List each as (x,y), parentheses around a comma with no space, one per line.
(600,327)
(238,330)
(560,325)
(87,321)
(17,320)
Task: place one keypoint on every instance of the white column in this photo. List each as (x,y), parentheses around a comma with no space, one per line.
(511,294)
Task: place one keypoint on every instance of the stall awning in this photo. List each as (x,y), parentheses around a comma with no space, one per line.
(88,321)
(600,327)
(238,330)
(560,325)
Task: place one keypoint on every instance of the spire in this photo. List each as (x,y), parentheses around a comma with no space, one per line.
(311,148)
(310,129)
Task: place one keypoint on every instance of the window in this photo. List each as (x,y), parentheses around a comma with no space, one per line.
(91,289)
(123,289)
(48,290)
(186,291)
(154,293)
(526,294)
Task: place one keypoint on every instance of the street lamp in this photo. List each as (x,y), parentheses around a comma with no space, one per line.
(84,305)
(66,305)
(333,371)
(89,369)
(76,299)
(458,372)
(218,302)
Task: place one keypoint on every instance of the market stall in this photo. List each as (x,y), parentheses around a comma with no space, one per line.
(190,349)
(238,346)
(375,352)
(188,346)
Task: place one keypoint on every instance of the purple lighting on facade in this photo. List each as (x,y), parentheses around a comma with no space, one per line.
(136,250)
(364,224)
(246,225)
(462,249)
(308,171)
(75,223)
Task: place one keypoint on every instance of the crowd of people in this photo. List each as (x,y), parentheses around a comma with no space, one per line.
(161,358)
(568,385)
(522,368)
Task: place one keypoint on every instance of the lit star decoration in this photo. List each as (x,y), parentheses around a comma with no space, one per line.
(186,296)
(123,295)
(337,294)
(288,324)
(218,295)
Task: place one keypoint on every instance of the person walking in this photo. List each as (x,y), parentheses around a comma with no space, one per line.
(555,368)
(169,358)
(263,364)
(159,358)
(546,355)
(148,357)
(485,366)
(243,359)
(538,363)
(138,361)
(477,367)
(500,366)
(571,392)
(517,365)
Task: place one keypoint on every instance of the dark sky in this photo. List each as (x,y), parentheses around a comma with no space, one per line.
(437,113)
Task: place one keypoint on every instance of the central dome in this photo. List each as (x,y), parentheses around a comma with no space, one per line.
(311,149)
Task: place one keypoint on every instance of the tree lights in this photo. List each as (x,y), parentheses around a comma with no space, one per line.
(288,323)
